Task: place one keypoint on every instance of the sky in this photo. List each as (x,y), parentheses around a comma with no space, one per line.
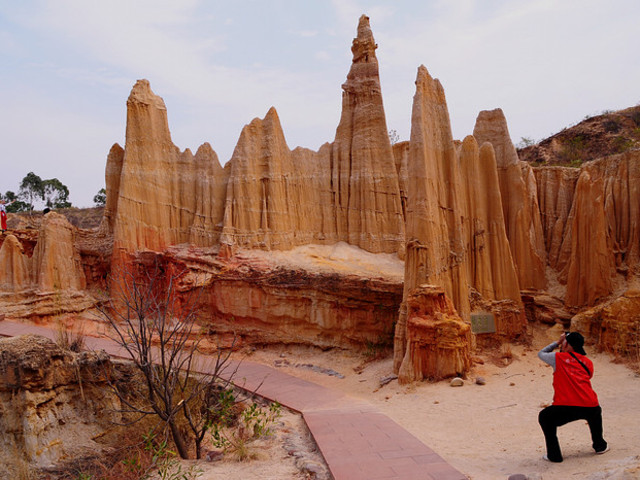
(68,66)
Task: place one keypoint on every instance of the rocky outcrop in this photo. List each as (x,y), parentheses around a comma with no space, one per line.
(14,266)
(591,222)
(53,403)
(56,261)
(347,191)
(519,200)
(52,281)
(210,190)
(491,269)
(613,326)
(438,341)
(455,229)
(112,174)
(274,196)
(330,302)
(594,137)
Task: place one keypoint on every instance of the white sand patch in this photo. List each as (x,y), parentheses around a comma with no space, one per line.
(338,258)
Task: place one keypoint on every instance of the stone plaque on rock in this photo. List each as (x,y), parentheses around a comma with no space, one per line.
(483,322)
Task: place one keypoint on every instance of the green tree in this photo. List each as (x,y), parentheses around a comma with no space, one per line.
(525,142)
(100,198)
(31,189)
(55,194)
(17,205)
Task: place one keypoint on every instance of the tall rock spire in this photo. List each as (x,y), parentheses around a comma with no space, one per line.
(519,200)
(364,178)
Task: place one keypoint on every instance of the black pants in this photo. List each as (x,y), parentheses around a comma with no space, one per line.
(555,416)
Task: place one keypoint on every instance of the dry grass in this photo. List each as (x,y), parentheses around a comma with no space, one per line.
(69,340)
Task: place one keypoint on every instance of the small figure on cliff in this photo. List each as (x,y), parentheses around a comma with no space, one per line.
(3,214)
(573,398)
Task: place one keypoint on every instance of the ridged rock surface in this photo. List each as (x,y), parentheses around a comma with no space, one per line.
(14,266)
(455,229)
(614,326)
(519,200)
(56,260)
(53,403)
(210,189)
(274,197)
(556,187)
(158,204)
(601,235)
(491,269)
(438,341)
(112,174)
(268,196)
(364,177)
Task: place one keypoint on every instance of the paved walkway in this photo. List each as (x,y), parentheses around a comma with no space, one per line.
(357,441)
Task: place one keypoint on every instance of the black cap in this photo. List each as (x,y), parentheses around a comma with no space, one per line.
(576,340)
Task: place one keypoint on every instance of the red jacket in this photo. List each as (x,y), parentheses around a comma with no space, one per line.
(571,383)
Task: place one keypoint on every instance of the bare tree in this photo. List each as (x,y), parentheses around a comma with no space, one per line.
(156,326)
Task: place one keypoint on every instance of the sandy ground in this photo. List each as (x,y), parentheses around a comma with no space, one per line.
(490,431)
(289,454)
(486,431)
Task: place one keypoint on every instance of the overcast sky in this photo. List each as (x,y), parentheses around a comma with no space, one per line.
(68,66)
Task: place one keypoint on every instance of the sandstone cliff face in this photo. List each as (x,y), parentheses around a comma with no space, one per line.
(112,174)
(600,216)
(613,326)
(438,340)
(52,281)
(157,204)
(491,269)
(274,195)
(365,181)
(519,200)
(56,261)
(210,190)
(45,416)
(347,191)
(14,266)
(455,228)
(275,303)
(556,187)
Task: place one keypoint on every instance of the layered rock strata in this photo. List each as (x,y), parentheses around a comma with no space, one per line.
(276,303)
(53,403)
(158,195)
(591,230)
(455,228)
(613,326)
(52,281)
(438,340)
(14,266)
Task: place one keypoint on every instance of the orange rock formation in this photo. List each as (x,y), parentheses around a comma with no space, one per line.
(455,229)
(438,340)
(519,200)
(14,266)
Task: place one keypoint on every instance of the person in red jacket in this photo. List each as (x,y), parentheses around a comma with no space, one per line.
(3,214)
(573,398)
